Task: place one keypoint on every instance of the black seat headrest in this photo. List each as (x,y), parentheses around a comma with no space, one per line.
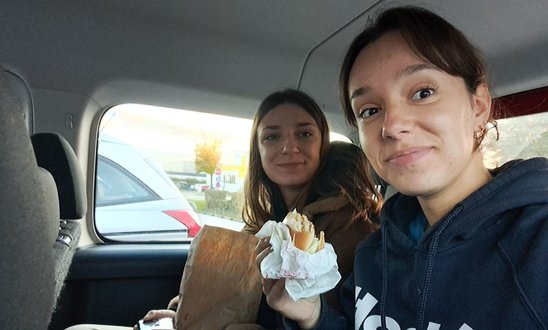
(54,153)
(52,201)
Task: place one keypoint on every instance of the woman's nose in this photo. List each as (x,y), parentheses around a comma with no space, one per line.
(290,145)
(397,122)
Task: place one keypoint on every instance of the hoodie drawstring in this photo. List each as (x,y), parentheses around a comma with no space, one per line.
(430,264)
(384,291)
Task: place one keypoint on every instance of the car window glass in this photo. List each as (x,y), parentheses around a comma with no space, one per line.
(115,185)
(163,173)
(519,137)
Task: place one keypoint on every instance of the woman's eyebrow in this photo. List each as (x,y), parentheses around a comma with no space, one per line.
(360,91)
(278,127)
(416,68)
(304,124)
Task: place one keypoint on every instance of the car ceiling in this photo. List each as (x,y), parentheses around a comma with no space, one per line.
(225,56)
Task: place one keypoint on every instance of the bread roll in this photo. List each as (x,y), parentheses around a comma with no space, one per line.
(302,233)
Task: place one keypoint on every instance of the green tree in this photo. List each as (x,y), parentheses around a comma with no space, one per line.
(208,155)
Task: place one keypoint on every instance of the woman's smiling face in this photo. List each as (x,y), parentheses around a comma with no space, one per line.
(289,143)
(416,122)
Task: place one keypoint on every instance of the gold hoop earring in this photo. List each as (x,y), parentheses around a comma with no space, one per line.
(479,135)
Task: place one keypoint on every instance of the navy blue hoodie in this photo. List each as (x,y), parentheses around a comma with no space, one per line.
(483,266)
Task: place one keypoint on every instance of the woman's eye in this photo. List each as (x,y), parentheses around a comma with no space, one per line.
(271,138)
(422,93)
(305,134)
(368,112)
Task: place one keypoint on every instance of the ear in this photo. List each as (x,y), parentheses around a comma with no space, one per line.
(481,102)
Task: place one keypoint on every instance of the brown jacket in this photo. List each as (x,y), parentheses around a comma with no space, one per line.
(332,215)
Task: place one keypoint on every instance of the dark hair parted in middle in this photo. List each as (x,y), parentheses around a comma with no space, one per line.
(260,192)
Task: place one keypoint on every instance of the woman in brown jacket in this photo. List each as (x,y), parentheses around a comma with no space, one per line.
(294,166)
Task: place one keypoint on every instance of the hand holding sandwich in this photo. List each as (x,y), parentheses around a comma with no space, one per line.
(305,312)
(290,250)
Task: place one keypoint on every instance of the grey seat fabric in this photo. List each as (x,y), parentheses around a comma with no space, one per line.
(54,153)
(26,261)
(22,93)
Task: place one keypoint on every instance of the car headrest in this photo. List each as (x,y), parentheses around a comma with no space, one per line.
(21,91)
(54,153)
(51,207)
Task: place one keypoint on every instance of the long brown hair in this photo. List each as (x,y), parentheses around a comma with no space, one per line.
(346,172)
(261,194)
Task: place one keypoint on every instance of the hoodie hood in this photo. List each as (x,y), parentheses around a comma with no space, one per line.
(515,185)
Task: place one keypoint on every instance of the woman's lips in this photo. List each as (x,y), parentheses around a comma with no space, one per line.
(290,165)
(408,156)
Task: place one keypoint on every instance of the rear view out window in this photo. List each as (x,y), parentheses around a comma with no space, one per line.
(162,174)
(115,185)
(519,137)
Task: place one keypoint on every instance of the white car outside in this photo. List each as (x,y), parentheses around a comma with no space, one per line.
(136,200)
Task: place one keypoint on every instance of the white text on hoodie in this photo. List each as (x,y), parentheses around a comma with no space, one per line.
(371,322)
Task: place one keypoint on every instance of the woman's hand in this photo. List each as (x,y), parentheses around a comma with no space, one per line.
(306,312)
(262,249)
(173,303)
(157,314)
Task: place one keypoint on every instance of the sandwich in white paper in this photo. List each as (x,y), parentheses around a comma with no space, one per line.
(302,233)
(308,264)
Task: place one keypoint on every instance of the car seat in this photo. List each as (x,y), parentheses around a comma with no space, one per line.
(54,153)
(27,206)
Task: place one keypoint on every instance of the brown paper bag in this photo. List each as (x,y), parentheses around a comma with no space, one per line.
(221,284)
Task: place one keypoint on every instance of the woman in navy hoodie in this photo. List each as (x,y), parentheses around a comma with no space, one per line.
(461,246)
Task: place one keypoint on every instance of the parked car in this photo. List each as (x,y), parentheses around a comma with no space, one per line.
(136,200)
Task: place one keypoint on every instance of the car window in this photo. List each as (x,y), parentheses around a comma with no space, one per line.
(519,137)
(115,185)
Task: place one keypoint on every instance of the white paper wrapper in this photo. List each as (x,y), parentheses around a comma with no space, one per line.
(306,274)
